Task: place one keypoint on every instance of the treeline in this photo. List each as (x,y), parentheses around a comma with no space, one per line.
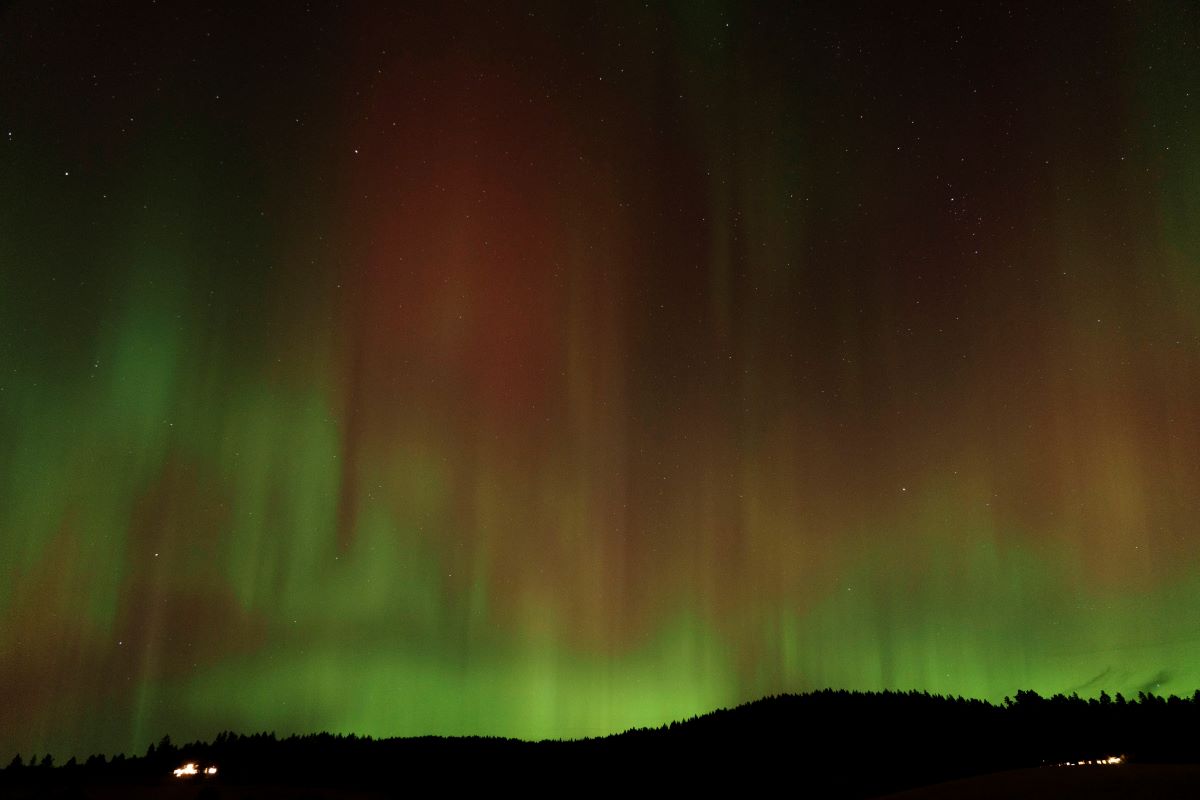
(840,743)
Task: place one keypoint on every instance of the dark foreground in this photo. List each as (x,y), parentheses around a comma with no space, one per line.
(825,744)
(1151,781)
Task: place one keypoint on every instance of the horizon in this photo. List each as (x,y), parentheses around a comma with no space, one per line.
(178,746)
(549,371)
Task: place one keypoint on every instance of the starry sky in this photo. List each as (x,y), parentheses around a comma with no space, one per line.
(545,370)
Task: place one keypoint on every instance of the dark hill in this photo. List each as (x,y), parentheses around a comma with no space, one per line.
(827,744)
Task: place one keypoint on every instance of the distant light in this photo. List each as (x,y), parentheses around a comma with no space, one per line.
(192,768)
(1099,762)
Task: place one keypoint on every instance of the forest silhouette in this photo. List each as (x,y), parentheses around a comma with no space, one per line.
(830,743)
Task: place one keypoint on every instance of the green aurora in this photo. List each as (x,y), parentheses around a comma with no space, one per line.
(548,373)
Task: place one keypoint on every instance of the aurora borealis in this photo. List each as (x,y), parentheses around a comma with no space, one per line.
(544,372)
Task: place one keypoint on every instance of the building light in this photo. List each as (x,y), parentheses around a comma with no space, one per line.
(191,768)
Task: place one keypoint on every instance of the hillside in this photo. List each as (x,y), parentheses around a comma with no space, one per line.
(830,743)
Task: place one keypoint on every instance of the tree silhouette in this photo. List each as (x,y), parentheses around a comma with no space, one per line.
(852,744)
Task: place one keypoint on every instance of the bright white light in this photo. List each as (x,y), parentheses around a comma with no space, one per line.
(1099,762)
(187,769)
(210,771)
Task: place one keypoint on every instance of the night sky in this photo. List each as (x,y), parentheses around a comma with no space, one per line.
(547,371)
